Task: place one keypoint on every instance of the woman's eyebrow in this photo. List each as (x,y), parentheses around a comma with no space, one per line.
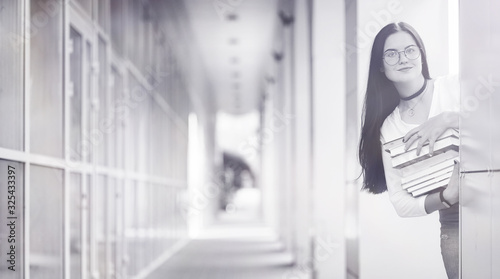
(399,50)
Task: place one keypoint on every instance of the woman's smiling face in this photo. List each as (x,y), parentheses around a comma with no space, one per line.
(405,69)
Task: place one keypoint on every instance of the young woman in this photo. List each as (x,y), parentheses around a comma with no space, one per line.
(402,100)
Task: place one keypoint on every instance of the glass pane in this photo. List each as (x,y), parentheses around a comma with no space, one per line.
(116,149)
(170,148)
(103,13)
(158,139)
(111,217)
(11,76)
(142,222)
(178,226)
(46,61)
(160,74)
(117,29)
(158,216)
(148,227)
(134,26)
(169,213)
(76,65)
(76,225)
(137,96)
(87,97)
(120,230)
(102,144)
(46,223)
(11,212)
(88,231)
(86,5)
(100,223)
(130,200)
(143,131)
(146,58)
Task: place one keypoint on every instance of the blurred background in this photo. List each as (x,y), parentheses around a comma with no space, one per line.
(218,139)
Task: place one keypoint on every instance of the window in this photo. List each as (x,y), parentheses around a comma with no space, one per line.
(76,70)
(76,225)
(46,223)
(11,76)
(101,135)
(46,73)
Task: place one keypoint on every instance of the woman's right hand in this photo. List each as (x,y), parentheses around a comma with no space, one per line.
(450,194)
(431,130)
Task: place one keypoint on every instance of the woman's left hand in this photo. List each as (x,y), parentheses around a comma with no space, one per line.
(430,130)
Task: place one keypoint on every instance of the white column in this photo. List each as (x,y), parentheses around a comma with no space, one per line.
(480,135)
(302,133)
(329,87)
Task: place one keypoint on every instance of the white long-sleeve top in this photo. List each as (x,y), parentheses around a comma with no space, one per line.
(446,97)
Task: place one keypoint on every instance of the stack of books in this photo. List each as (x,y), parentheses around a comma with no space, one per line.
(424,173)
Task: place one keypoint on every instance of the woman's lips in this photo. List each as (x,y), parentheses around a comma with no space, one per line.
(405,69)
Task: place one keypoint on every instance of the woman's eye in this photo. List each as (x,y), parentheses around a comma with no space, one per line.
(391,54)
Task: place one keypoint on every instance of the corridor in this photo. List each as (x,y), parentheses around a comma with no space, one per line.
(232,248)
(220,139)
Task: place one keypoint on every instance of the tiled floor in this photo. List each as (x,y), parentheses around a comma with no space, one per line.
(231,249)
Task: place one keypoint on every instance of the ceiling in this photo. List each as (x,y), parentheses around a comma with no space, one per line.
(235,41)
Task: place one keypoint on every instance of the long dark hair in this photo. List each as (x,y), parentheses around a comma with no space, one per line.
(380,100)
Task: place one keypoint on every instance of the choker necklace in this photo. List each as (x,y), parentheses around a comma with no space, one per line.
(410,111)
(422,89)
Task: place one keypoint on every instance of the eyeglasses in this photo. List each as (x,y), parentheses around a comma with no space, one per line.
(392,56)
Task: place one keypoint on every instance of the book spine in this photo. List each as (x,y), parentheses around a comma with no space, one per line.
(429,188)
(432,162)
(445,176)
(428,173)
(411,157)
(401,149)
